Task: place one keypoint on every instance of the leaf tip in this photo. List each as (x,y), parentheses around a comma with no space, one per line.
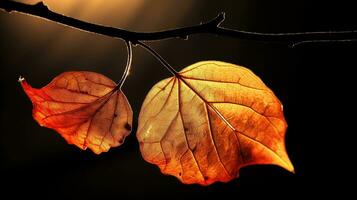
(289,166)
(25,86)
(21,78)
(292,169)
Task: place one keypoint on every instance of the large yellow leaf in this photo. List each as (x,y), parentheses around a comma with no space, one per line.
(211,120)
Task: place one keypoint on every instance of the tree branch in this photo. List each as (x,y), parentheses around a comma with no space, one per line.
(210,27)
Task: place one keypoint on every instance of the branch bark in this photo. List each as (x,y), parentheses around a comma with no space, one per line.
(210,27)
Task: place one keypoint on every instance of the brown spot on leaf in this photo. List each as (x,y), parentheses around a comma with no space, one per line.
(127,127)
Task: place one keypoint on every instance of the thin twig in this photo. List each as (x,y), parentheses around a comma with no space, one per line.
(128,64)
(157,56)
(210,27)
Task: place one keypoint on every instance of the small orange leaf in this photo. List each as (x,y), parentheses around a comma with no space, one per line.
(86,108)
(209,121)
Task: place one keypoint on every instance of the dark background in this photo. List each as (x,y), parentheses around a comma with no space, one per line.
(315,82)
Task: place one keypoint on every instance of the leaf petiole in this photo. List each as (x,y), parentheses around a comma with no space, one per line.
(128,65)
(157,56)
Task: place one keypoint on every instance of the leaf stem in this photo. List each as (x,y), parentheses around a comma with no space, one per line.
(128,64)
(157,56)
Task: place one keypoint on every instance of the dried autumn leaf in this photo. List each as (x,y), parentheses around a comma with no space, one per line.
(85,108)
(211,120)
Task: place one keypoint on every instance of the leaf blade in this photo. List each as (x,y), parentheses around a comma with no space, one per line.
(216,101)
(85,108)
